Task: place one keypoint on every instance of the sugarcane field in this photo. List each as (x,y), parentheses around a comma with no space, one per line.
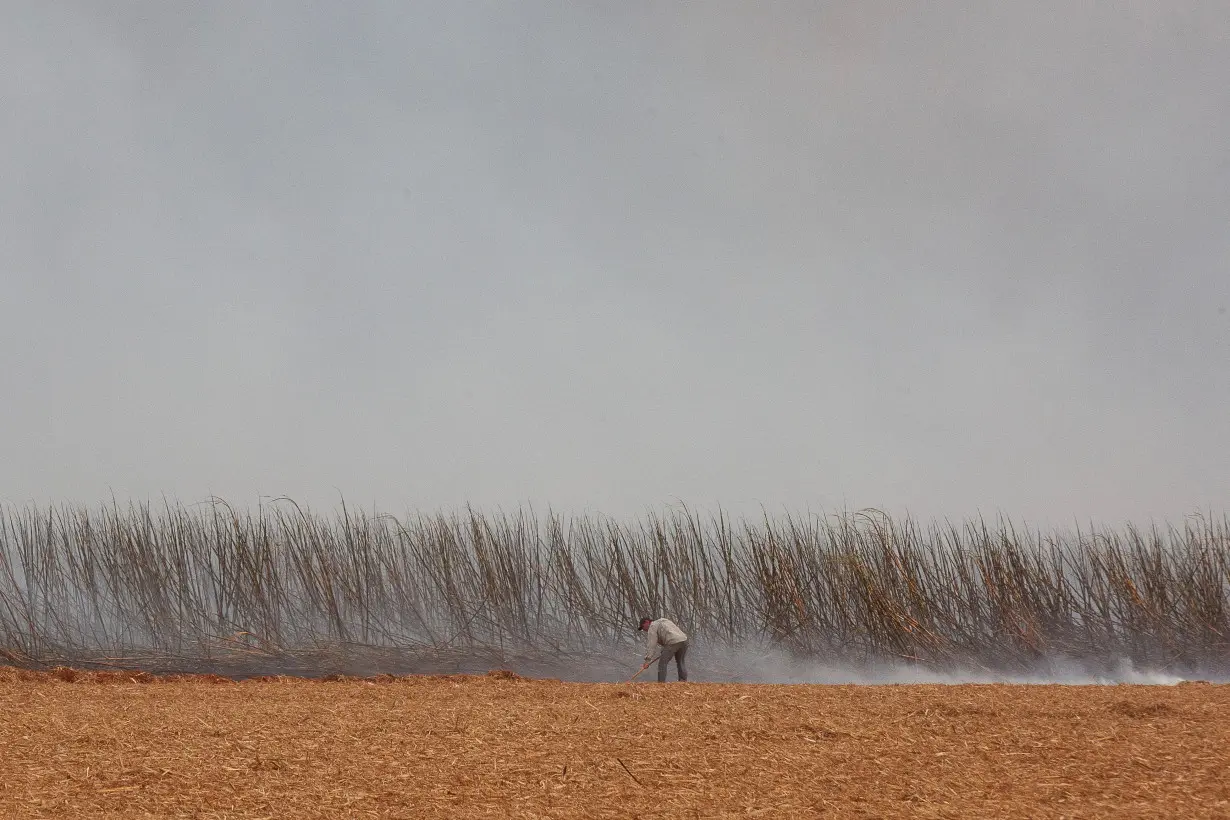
(493,666)
(542,410)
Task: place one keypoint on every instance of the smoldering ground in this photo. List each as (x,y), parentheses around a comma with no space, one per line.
(707,663)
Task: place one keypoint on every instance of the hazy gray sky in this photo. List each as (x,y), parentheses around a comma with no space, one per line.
(940,256)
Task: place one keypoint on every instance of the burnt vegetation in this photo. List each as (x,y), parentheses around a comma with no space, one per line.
(280,589)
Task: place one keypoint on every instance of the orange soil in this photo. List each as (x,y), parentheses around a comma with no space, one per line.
(505,747)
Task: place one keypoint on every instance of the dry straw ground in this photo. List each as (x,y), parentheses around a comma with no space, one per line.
(499,746)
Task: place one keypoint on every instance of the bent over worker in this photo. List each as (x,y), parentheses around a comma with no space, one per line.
(664,641)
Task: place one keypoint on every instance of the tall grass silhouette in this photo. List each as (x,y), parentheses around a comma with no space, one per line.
(209,587)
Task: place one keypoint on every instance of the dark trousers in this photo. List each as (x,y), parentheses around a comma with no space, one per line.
(679,652)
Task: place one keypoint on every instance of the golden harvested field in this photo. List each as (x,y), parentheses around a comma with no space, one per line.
(501,747)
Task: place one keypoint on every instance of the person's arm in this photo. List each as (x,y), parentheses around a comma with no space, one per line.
(651,643)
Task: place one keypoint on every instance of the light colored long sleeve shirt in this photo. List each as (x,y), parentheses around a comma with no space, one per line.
(662,632)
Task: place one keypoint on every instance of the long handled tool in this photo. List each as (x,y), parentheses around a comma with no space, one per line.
(638,672)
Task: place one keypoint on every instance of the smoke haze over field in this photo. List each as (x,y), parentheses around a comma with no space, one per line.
(943,257)
(722,664)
